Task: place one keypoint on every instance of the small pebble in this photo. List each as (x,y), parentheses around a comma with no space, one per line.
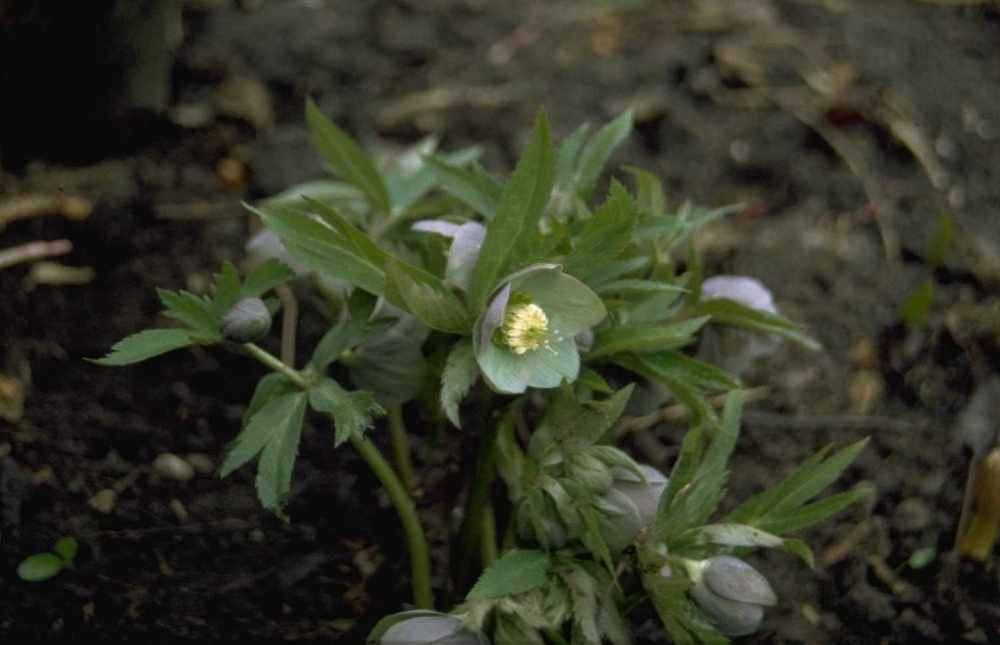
(912,515)
(173,467)
(202,463)
(103,501)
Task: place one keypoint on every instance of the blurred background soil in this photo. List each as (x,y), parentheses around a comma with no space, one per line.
(846,127)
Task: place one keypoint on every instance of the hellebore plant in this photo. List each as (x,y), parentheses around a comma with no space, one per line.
(527,317)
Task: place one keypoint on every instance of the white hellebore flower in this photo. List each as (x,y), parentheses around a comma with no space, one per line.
(732,348)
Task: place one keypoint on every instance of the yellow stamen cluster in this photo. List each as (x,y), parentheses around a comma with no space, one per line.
(525,328)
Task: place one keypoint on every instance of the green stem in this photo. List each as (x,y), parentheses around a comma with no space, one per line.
(400,447)
(420,562)
(488,551)
(423,597)
(475,507)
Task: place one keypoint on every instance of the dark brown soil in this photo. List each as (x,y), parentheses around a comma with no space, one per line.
(846,126)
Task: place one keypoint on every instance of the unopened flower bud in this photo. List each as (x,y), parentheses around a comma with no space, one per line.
(645,495)
(425,628)
(584,340)
(623,520)
(733,594)
(248,321)
(591,472)
(733,348)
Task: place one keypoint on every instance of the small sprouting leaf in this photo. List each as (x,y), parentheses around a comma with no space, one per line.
(604,236)
(597,151)
(516,572)
(917,304)
(645,338)
(649,192)
(352,412)
(39,567)
(147,344)
(66,548)
(937,248)
(460,373)
(570,426)
(507,246)
(426,297)
(347,158)
(478,190)
(273,433)
(265,276)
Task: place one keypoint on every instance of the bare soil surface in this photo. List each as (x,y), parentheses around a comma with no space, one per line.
(847,127)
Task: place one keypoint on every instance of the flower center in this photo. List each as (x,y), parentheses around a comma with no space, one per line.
(525,327)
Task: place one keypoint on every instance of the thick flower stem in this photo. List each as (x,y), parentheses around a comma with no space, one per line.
(400,446)
(420,562)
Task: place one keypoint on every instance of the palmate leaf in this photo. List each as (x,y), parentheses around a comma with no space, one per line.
(780,509)
(352,412)
(347,158)
(194,311)
(507,246)
(604,236)
(570,426)
(147,344)
(273,433)
(517,571)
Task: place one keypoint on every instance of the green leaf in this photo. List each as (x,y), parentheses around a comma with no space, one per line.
(268,387)
(508,235)
(604,236)
(392,365)
(569,153)
(226,289)
(322,248)
(410,178)
(591,379)
(645,338)
(767,510)
(147,344)
(940,242)
(352,412)
(478,190)
(685,623)
(516,572)
(460,373)
(356,330)
(265,276)
(730,312)
(730,535)
(426,297)
(570,427)
(672,366)
(273,433)
(693,504)
(809,514)
(66,548)
(328,191)
(597,151)
(194,311)
(917,304)
(347,158)
(649,192)
(39,567)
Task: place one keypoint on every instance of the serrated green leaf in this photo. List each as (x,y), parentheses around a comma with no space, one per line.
(66,548)
(800,549)
(685,623)
(347,158)
(147,344)
(265,276)
(730,312)
(268,387)
(276,426)
(692,504)
(645,338)
(508,235)
(731,535)
(516,572)
(672,365)
(194,311)
(392,365)
(648,191)
(39,567)
(809,514)
(426,297)
(460,373)
(639,287)
(569,426)
(604,236)
(478,190)
(617,269)
(591,379)
(767,509)
(569,154)
(226,289)
(322,248)
(352,412)
(411,177)
(597,151)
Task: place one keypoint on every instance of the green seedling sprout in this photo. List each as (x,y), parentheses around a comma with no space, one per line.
(42,566)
